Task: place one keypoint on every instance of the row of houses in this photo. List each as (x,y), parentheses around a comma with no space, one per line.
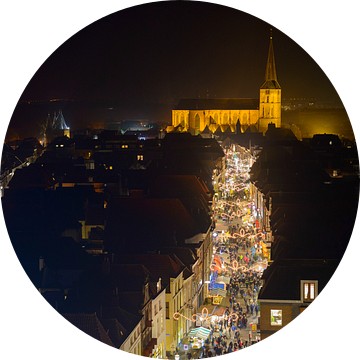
(118,243)
(306,196)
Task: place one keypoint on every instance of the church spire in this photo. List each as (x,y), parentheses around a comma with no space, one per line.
(270,73)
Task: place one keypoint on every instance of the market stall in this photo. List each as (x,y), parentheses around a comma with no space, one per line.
(197,336)
(223,279)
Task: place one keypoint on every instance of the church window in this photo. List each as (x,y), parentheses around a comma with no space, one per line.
(182,123)
(197,121)
(272,112)
(267,99)
(244,118)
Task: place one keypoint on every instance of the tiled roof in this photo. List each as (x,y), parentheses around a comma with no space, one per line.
(127,320)
(163,221)
(178,186)
(185,254)
(115,330)
(159,265)
(89,324)
(218,104)
(282,277)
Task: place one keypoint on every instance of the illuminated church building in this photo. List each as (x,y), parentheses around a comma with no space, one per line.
(194,115)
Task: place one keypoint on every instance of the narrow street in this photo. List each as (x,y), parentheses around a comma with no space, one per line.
(239,258)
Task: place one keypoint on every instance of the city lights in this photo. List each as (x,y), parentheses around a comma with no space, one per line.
(204,316)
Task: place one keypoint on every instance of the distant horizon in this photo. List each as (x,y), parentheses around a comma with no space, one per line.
(294,98)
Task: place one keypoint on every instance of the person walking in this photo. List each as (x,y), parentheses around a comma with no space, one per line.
(245,322)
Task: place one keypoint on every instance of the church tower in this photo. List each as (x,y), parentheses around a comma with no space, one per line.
(270,95)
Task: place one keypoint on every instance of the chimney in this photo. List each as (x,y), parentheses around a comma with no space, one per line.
(158,285)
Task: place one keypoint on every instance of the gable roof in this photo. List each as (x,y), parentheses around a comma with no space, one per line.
(89,324)
(127,320)
(185,254)
(115,331)
(206,131)
(159,265)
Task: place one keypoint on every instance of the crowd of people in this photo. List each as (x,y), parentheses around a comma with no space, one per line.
(240,252)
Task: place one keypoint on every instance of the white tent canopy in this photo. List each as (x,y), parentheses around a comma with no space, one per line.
(224,279)
(200,332)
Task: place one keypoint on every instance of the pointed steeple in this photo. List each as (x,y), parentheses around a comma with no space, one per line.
(270,73)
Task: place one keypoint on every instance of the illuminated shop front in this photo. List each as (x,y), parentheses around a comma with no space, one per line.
(276,317)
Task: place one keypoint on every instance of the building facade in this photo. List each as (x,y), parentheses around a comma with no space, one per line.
(302,281)
(158,322)
(194,115)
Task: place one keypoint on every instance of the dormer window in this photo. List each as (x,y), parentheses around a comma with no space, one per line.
(309,290)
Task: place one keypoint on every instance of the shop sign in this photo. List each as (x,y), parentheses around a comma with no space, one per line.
(217,300)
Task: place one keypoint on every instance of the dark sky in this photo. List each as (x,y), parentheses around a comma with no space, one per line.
(160,52)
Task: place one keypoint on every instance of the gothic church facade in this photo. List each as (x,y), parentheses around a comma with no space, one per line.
(194,115)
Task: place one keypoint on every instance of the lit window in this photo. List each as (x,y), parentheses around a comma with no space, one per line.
(309,291)
(276,317)
(124,146)
(140,157)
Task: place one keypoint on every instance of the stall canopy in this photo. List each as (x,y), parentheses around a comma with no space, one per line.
(199,332)
(224,279)
(218,292)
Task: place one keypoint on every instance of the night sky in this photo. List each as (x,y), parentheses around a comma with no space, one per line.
(160,52)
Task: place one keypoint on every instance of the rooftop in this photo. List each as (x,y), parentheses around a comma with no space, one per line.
(218,104)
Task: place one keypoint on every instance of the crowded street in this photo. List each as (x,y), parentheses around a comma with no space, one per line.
(230,317)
